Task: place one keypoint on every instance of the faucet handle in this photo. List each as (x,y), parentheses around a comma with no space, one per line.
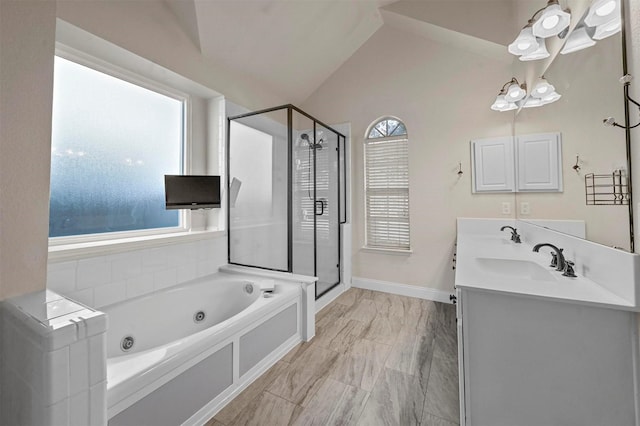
(568,269)
(554,259)
(515,237)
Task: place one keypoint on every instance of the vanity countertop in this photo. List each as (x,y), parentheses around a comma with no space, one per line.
(495,263)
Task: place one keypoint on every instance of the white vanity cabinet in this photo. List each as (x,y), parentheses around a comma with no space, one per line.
(536,348)
(532,361)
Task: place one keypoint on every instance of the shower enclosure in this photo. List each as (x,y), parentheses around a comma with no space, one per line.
(287,197)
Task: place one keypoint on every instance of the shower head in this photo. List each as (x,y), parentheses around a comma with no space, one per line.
(317,145)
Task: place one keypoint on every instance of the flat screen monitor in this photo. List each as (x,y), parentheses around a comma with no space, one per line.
(191,192)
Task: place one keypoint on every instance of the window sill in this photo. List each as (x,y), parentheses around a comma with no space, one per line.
(66,252)
(387,251)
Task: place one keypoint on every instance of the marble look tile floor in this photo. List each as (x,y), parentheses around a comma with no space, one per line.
(376,359)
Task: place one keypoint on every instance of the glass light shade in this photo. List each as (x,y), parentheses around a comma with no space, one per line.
(542,89)
(608,29)
(578,40)
(515,93)
(501,104)
(551,97)
(532,102)
(552,21)
(525,43)
(602,11)
(541,53)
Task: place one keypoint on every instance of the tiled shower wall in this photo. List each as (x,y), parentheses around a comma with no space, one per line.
(101,280)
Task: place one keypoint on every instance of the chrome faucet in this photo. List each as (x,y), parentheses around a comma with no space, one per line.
(557,259)
(515,237)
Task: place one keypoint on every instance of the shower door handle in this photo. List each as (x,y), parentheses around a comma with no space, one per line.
(321,207)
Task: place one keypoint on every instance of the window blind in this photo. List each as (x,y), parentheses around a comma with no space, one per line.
(387,193)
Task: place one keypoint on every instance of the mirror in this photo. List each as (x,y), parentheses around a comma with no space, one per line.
(588,81)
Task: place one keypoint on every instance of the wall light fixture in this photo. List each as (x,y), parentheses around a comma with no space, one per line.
(529,44)
(513,95)
(512,91)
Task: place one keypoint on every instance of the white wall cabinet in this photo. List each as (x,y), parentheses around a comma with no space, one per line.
(526,163)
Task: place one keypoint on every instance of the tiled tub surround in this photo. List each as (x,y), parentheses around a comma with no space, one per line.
(209,362)
(53,369)
(102,279)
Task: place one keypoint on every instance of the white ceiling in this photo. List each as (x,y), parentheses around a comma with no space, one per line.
(293,46)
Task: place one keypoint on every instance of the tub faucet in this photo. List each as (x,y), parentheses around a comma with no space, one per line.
(558,257)
(515,237)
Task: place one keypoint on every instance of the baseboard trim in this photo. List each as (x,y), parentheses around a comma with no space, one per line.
(402,289)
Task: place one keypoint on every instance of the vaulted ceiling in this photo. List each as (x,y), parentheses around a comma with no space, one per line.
(293,46)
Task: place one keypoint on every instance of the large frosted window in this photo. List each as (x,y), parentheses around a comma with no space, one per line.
(112,144)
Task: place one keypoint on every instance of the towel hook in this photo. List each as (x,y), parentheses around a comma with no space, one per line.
(576,167)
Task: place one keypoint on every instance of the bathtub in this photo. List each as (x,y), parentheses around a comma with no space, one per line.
(206,339)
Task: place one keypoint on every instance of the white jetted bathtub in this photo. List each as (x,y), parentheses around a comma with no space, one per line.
(176,356)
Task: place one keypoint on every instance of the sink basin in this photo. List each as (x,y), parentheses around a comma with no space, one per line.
(515,269)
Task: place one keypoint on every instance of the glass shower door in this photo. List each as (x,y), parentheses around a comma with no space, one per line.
(326,209)
(303,195)
(316,242)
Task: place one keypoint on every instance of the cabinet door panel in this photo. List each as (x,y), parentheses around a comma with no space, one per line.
(533,362)
(539,162)
(493,165)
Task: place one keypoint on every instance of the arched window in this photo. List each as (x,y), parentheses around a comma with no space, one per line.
(386,184)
